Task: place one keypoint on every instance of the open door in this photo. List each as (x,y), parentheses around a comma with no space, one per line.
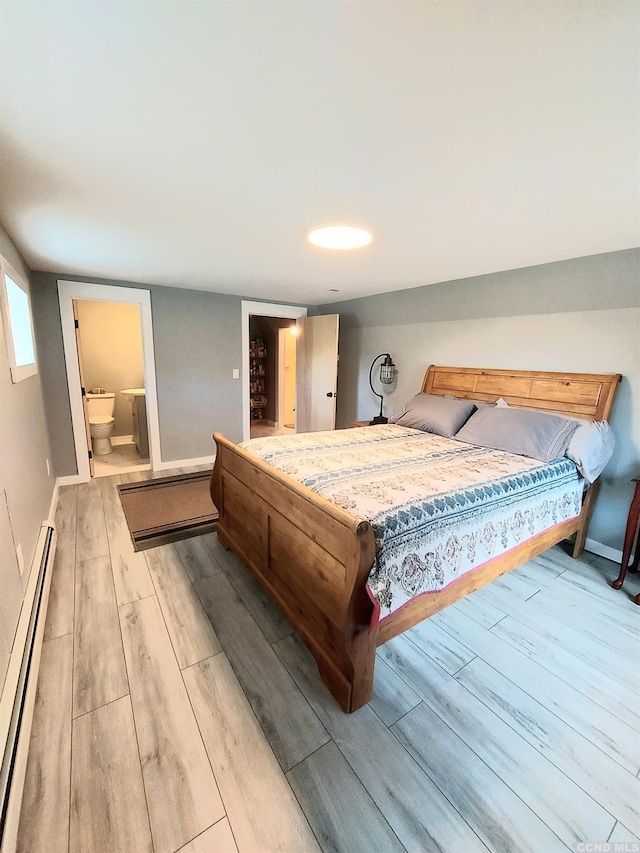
(85,407)
(316,373)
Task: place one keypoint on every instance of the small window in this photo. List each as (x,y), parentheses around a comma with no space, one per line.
(18,324)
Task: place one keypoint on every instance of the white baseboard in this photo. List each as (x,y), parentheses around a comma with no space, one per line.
(601,550)
(21,682)
(75,479)
(54,503)
(69,480)
(185,463)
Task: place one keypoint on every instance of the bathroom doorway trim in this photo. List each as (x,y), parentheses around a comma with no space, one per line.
(261,309)
(67,292)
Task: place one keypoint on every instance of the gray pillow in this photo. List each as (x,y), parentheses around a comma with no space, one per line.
(523,431)
(432,413)
(591,446)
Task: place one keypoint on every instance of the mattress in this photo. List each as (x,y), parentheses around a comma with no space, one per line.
(439,508)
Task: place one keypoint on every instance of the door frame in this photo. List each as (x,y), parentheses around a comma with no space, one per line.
(67,292)
(261,309)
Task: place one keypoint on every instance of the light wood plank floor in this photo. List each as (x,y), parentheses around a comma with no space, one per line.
(177,711)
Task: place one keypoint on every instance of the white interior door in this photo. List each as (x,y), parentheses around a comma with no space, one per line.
(316,373)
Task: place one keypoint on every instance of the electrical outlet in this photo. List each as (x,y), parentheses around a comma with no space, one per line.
(236,373)
(20,557)
(48,469)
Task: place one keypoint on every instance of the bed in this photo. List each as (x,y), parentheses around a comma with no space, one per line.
(315,557)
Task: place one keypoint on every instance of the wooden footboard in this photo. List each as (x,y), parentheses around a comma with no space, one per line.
(313,559)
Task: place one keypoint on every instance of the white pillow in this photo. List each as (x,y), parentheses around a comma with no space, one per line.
(591,446)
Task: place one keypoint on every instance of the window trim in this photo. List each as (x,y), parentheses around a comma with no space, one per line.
(19,372)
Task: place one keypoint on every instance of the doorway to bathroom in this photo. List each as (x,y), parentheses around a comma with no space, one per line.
(70,292)
(111,364)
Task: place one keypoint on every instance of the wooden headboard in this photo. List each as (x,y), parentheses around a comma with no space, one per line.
(589,395)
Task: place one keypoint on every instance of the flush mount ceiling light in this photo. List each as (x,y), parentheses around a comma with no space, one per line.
(340,237)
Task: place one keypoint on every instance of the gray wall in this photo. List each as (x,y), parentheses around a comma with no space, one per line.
(25,487)
(197,343)
(581,315)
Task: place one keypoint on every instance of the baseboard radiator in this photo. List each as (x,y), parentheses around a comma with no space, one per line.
(19,692)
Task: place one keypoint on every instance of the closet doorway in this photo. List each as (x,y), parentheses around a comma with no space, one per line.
(272,375)
(265,320)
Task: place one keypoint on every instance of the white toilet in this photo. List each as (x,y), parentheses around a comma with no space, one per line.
(101,421)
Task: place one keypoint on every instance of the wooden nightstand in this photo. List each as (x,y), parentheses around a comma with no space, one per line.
(632,533)
(360,423)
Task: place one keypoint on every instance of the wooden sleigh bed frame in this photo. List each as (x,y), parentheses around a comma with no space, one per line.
(314,558)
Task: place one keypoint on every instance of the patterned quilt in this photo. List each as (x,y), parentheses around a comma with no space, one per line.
(438,507)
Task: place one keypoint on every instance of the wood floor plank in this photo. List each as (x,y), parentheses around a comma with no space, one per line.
(602,571)
(615,788)
(99,672)
(592,607)
(292,728)
(66,513)
(621,700)
(345,823)
(601,595)
(131,577)
(564,807)
(621,835)
(595,626)
(211,541)
(108,807)
(260,805)
(541,572)
(84,491)
(517,584)
(61,592)
(191,633)
(267,616)
(44,815)
(480,611)
(602,728)
(500,818)
(182,796)
(197,558)
(111,502)
(499,597)
(138,476)
(216,839)
(418,813)
(441,647)
(91,534)
(392,698)
(605,653)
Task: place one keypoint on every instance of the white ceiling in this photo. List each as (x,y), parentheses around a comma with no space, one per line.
(194,143)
